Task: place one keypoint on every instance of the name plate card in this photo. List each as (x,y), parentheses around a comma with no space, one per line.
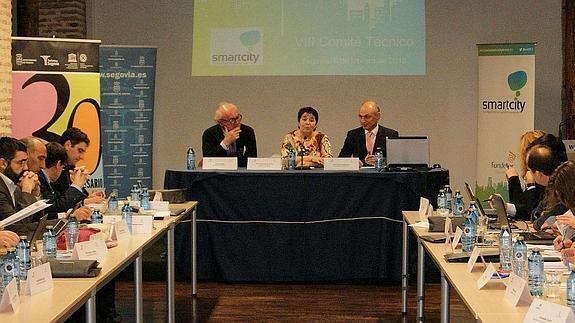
(344,163)
(10,299)
(39,279)
(456,238)
(264,163)
(472,259)
(142,224)
(486,277)
(111,219)
(98,236)
(90,250)
(517,290)
(160,205)
(447,232)
(542,311)
(220,163)
(121,231)
(423,209)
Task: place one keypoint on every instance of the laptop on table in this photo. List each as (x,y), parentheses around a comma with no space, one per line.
(538,237)
(407,152)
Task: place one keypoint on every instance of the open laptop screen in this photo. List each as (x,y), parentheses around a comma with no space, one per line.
(407,151)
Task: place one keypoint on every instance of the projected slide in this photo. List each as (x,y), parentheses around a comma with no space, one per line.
(308,37)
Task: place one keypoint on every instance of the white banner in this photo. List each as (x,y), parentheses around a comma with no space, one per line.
(506,110)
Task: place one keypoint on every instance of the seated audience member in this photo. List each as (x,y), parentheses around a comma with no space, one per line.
(36,153)
(229,137)
(8,239)
(362,142)
(18,186)
(524,198)
(61,202)
(75,142)
(316,145)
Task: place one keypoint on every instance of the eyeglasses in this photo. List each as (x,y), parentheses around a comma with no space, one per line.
(237,119)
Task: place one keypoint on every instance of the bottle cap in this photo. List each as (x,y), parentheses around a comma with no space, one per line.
(536,250)
(23,237)
(49,227)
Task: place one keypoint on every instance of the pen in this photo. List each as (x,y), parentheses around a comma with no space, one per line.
(489,199)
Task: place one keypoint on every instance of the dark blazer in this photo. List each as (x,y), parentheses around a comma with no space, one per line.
(525,201)
(7,207)
(245,145)
(61,200)
(354,145)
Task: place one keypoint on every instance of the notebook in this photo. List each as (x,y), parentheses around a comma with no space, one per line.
(538,237)
(407,151)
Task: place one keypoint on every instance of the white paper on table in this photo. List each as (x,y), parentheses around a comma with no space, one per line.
(158,196)
(423,208)
(24,213)
(486,276)
(10,298)
(39,279)
(456,238)
(424,225)
(517,290)
(473,259)
(542,311)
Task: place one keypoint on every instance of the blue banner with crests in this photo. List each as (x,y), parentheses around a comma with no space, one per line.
(127,78)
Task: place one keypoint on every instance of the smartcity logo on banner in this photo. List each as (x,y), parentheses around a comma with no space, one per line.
(516,82)
(237,46)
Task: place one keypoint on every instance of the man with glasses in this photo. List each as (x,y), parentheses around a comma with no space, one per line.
(18,186)
(229,137)
(363,141)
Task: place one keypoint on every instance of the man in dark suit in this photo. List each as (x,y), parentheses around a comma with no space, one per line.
(229,137)
(363,141)
(18,186)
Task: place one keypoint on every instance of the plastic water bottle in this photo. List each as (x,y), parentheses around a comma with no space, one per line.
(10,268)
(474,211)
(505,248)
(134,194)
(145,199)
(448,198)
(113,201)
(458,204)
(291,159)
(520,257)
(536,274)
(379,159)
(127,215)
(469,233)
(441,200)
(96,217)
(73,230)
(140,188)
(571,290)
(24,258)
(49,242)
(191,159)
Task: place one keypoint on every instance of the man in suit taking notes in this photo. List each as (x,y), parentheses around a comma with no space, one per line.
(229,137)
(363,141)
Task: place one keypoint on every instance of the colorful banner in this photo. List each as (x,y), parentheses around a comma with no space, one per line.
(55,86)
(506,111)
(128,83)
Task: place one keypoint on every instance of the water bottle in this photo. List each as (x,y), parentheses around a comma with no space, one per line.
(505,248)
(458,204)
(49,242)
(520,257)
(379,159)
(140,189)
(96,217)
(145,199)
(134,194)
(536,274)
(127,215)
(474,211)
(571,290)
(113,201)
(10,267)
(291,159)
(469,233)
(191,159)
(441,200)
(72,231)
(24,257)
(448,198)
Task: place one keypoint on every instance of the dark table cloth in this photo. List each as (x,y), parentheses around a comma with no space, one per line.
(310,225)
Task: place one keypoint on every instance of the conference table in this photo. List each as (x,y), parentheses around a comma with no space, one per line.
(299,225)
(69,294)
(486,304)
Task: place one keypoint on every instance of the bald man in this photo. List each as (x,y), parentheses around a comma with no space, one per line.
(229,137)
(36,153)
(363,141)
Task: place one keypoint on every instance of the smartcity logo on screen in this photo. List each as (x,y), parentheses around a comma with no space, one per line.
(237,46)
(516,81)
